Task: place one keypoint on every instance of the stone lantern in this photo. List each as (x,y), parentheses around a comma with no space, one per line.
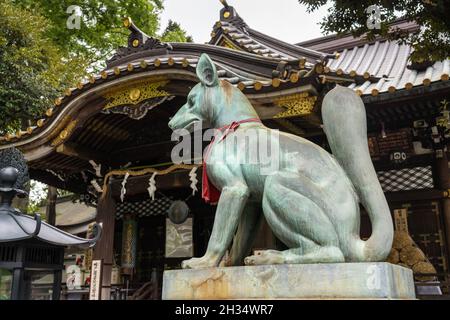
(31,251)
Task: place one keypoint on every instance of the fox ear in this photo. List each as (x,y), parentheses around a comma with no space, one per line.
(206,71)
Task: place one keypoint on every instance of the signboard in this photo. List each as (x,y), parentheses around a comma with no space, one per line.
(383,145)
(96,277)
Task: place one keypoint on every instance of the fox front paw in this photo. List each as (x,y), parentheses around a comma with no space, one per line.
(198,263)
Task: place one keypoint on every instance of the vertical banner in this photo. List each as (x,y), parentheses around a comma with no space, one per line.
(179,243)
(89,252)
(96,280)
(129,240)
(401,220)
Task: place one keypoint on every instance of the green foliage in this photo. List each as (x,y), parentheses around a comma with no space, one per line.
(174,33)
(32,69)
(431,43)
(40,56)
(101,26)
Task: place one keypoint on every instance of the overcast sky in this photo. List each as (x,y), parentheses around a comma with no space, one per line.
(283,19)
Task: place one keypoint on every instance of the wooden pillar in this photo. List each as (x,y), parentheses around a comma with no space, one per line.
(443,177)
(104,249)
(51,205)
(56,295)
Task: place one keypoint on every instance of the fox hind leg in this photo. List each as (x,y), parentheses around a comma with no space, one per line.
(299,222)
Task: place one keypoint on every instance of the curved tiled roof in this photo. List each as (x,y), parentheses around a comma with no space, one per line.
(248,71)
(248,59)
(232,31)
(381,58)
(387,60)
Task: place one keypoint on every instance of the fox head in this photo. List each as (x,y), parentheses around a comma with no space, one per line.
(213,102)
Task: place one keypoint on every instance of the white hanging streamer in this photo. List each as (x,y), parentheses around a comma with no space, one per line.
(96,186)
(97,168)
(124,190)
(152,186)
(193,179)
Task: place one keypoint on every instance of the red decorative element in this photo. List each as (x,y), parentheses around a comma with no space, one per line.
(209,192)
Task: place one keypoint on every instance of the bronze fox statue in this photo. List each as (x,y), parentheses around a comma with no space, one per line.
(310,200)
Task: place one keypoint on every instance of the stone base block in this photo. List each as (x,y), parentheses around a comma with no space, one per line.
(303,281)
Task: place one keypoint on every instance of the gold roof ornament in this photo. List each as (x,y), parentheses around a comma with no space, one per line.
(302,63)
(276,82)
(104,74)
(134,94)
(40,122)
(392,89)
(30,130)
(135,43)
(64,134)
(58,101)
(127,22)
(294,77)
(296,105)
(143,64)
(319,68)
(49,112)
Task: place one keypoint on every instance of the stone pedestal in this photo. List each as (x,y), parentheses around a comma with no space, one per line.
(308,281)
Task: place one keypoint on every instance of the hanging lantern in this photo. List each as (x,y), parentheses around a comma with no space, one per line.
(178,212)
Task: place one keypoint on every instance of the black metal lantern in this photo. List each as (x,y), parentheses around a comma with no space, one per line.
(31,251)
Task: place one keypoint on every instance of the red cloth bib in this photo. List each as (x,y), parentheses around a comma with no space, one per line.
(209,192)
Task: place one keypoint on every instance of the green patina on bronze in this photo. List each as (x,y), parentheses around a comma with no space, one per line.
(310,199)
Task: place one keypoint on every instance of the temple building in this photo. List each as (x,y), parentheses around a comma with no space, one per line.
(107,139)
